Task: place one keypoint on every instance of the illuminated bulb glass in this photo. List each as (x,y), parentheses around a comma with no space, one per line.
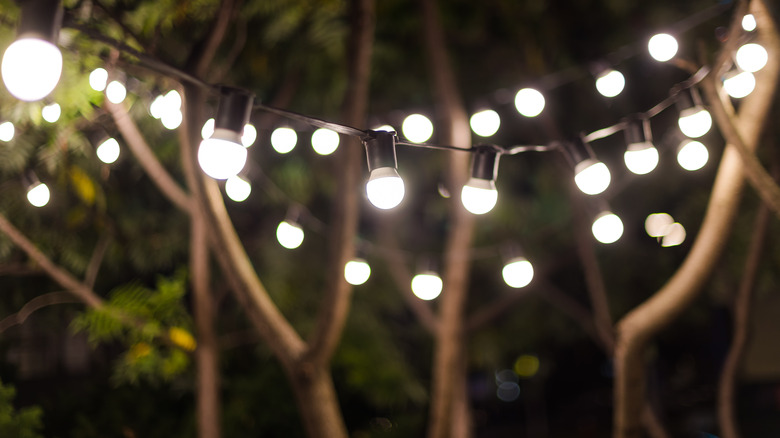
(485,123)
(529,102)
(740,85)
(208,129)
(222,155)
(324,141)
(479,196)
(98,79)
(283,140)
(386,128)
(749,22)
(108,151)
(656,224)
(695,121)
(51,113)
(662,47)
(641,158)
(172,101)
(385,188)
(611,83)
(592,177)
(675,235)
(357,272)
(237,188)
(417,128)
(116,92)
(249,135)
(31,68)
(693,155)
(172,119)
(39,195)
(289,234)
(752,57)
(518,273)
(427,285)
(7,131)
(607,228)
(156,108)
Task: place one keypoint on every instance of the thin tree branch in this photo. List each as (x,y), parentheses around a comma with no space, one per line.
(215,37)
(96,260)
(238,45)
(34,305)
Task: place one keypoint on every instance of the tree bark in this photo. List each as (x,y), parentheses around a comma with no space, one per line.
(317,402)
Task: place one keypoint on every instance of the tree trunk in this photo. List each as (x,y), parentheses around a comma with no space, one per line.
(317,401)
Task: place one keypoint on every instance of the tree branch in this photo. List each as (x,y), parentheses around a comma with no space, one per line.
(34,305)
(96,260)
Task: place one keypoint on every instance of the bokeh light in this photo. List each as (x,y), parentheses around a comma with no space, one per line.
(289,234)
(98,79)
(610,83)
(357,272)
(607,228)
(427,285)
(324,141)
(674,235)
(692,155)
(657,223)
(7,131)
(526,366)
(51,113)
(283,140)
(485,123)
(529,102)
(237,188)
(108,151)
(417,128)
(662,47)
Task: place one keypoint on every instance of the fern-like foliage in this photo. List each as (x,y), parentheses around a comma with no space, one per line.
(22,423)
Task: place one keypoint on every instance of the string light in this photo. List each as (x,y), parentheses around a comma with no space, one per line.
(607,228)
(324,141)
(427,285)
(692,155)
(485,123)
(7,131)
(169,110)
(237,188)
(610,83)
(673,235)
(283,140)
(518,272)
(108,151)
(694,120)
(156,108)
(116,92)
(38,194)
(749,23)
(641,157)
(529,102)
(51,113)
(591,176)
(417,128)
(222,155)
(657,223)
(289,234)
(739,84)
(357,272)
(249,135)
(751,57)
(662,47)
(385,188)
(98,79)
(479,195)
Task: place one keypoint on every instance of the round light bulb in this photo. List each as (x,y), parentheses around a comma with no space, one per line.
(116,92)
(610,83)
(674,235)
(386,128)
(98,79)
(591,176)
(39,195)
(485,123)
(752,57)
(7,131)
(357,272)
(325,141)
(641,158)
(172,119)
(749,23)
(417,128)
(237,188)
(529,102)
(607,228)
(479,196)
(656,224)
(385,188)
(692,155)
(739,85)
(283,140)
(51,113)
(518,272)
(108,151)
(157,108)
(427,285)
(289,234)
(695,121)
(172,101)
(662,47)
(222,156)
(208,129)
(31,68)
(249,135)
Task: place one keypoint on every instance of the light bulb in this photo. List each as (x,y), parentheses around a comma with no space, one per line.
(485,123)
(283,140)
(656,224)
(529,102)
(479,196)
(7,131)
(289,234)
(357,272)
(98,79)
(156,108)
(692,155)
(662,47)
(749,23)
(237,188)
(417,128)
(39,195)
(518,272)
(386,128)
(641,158)
(51,113)
(172,101)
(610,83)
(172,119)
(108,151)
(674,235)
(695,121)
(752,57)
(324,141)
(607,228)
(385,188)
(31,68)
(427,285)
(739,85)
(591,176)
(208,129)
(222,155)
(116,92)
(249,135)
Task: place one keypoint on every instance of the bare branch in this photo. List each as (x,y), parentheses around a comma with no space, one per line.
(34,305)
(215,36)
(96,260)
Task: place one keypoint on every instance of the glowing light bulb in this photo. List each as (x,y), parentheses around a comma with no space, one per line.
(427,285)
(591,176)
(641,158)
(385,188)
(7,131)
(222,155)
(208,129)
(518,272)
(249,135)
(357,272)
(479,196)
(386,128)
(172,119)
(51,113)
(31,68)
(108,151)
(749,23)
(656,224)
(610,83)
(417,128)
(752,57)
(692,155)
(98,79)
(674,235)
(237,188)
(529,102)
(485,123)
(695,121)
(739,85)
(662,47)
(324,141)
(116,92)
(607,228)
(283,140)
(39,195)
(156,107)
(289,234)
